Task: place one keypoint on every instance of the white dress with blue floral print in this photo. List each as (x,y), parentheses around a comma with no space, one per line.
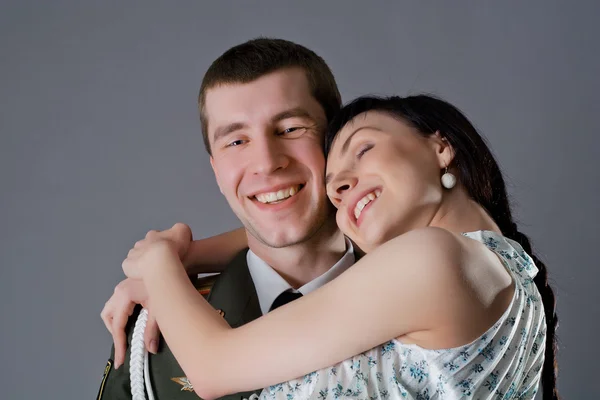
(503,363)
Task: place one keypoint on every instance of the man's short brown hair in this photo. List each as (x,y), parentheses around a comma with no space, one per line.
(253,59)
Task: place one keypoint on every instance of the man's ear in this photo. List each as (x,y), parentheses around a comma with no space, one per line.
(212,164)
(443,150)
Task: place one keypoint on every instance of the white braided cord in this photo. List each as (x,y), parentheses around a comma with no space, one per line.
(139,372)
(147,376)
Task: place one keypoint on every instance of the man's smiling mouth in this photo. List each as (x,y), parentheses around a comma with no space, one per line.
(279,195)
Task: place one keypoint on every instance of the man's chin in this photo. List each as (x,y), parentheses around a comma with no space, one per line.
(290,231)
(286,241)
(278,240)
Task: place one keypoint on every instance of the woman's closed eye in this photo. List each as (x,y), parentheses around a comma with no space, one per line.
(363,150)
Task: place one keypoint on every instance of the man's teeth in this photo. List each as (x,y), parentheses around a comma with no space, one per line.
(277,196)
(362,203)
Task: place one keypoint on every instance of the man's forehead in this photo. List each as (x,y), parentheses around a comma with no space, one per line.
(259,102)
(280,87)
(234,102)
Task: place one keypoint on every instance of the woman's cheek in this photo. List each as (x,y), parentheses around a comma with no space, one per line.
(341,219)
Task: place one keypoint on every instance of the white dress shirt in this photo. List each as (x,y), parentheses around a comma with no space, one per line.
(269,284)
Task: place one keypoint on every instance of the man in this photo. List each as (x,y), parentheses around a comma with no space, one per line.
(264,107)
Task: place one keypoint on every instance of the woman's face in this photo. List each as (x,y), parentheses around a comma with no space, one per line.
(384,178)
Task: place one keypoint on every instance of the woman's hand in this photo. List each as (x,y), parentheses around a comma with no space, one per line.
(117,311)
(130,292)
(157,250)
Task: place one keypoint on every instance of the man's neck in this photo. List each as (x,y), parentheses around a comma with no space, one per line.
(302,262)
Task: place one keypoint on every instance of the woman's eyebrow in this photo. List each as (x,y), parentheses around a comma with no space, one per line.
(346,144)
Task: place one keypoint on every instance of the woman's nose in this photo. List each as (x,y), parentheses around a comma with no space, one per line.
(344,185)
(339,187)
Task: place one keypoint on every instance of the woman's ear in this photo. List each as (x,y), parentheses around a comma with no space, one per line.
(443,149)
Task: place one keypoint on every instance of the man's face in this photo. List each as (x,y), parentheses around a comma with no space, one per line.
(266,140)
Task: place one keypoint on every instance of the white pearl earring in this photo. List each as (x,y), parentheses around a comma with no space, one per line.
(448,179)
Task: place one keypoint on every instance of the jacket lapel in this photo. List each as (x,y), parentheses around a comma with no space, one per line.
(234,294)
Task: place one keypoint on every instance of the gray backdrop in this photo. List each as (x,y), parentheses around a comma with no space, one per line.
(100,141)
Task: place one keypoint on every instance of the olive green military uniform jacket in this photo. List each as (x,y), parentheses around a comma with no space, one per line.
(233,294)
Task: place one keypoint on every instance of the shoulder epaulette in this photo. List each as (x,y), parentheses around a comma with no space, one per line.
(204,283)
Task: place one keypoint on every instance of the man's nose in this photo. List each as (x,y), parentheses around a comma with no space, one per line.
(269,156)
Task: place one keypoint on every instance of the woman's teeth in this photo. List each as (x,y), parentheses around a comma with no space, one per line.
(283,194)
(362,203)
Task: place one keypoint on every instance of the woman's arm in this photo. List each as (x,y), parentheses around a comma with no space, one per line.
(214,253)
(206,255)
(412,283)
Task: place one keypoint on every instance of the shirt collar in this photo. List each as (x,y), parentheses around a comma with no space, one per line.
(269,284)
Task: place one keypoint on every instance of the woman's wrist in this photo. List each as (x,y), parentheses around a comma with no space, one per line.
(166,261)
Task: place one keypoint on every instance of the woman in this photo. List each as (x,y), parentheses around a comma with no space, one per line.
(457,306)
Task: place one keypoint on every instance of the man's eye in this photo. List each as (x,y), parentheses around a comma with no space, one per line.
(235,143)
(293,132)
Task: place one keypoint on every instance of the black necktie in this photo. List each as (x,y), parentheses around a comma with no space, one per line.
(285,298)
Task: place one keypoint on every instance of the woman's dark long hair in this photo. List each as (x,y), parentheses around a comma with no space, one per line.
(478,172)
